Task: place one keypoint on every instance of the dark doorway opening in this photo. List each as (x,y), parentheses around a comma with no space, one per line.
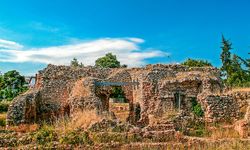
(178,100)
(137,112)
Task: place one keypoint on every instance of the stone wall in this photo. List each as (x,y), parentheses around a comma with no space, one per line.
(64,90)
(229,106)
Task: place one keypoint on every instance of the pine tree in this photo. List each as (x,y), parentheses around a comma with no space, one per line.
(226,57)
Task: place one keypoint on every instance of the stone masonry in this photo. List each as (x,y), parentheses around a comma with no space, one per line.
(63,90)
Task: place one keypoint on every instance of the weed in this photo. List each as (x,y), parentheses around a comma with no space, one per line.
(45,135)
(76,137)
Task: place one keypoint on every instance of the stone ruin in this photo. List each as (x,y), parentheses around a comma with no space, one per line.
(155,89)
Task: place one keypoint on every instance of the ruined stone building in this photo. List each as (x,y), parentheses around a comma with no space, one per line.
(155,89)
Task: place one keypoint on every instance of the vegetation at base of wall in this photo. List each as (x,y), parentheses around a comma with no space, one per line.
(196,127)
(223,132)
(45,135)
(76,137)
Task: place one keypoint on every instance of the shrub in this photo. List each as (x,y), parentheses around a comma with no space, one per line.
(4,106)
(196,108)
(45,135)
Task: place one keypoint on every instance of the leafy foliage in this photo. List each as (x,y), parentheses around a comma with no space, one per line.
(196,63)
(117,92)
(108,61)
(11,85)
(196,108)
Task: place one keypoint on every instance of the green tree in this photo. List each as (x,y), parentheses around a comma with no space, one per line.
(226,57)
(196,63)
(11,85)
(238,77)
(75,63)
(246,62)
(117,92)
(1,82)
(234,72)
(108,61)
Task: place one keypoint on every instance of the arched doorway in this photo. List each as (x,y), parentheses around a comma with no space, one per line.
(118,98)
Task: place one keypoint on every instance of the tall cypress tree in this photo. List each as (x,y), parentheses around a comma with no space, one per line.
(226,57)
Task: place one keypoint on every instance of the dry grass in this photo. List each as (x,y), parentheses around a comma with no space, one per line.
(224,132)
(3,116)
(122,116)
(241,89)
(229,145)
(24,128)
(80,120)
(170,114)
(165,116)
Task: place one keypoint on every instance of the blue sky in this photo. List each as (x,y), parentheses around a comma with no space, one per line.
(35,33)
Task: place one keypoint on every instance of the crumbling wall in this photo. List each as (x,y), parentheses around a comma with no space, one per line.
(65,89)
(83,96)
(159,84)
(219,108)
(230,106)
(24,108)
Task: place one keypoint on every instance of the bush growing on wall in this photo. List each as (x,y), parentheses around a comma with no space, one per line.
(196,108)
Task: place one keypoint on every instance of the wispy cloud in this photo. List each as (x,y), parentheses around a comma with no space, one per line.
(126,49)
(5,44)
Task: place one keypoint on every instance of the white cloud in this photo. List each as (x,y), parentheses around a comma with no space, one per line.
(136,40)
(9,44)
(127,51)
